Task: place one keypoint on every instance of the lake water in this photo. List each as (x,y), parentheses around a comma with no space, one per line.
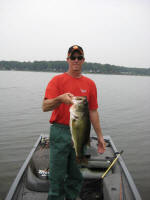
(124,107)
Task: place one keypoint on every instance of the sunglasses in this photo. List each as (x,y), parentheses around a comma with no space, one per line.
(76,57)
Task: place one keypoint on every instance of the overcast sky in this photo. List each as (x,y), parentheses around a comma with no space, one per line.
(110,31)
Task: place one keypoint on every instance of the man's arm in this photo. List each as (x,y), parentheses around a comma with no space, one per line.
(94,117)
(51,104)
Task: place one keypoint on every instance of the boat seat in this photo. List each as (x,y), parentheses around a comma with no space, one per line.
(34,183)
(37,171)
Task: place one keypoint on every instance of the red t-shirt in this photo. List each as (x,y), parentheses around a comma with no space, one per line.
(64,83)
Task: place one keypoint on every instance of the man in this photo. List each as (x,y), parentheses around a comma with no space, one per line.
(65,176)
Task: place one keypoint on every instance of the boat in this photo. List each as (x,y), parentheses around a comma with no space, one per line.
(117,184)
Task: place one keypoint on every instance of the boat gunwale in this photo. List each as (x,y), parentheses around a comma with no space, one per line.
(126,172)
(21,171)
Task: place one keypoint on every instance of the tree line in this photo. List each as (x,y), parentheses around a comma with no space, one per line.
(62,66)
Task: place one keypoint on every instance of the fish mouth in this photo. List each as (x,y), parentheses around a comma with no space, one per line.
(79,99)
(75,101)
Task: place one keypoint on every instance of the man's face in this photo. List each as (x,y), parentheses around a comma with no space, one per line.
(75,64)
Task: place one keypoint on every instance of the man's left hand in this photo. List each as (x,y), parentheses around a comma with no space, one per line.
(101,146)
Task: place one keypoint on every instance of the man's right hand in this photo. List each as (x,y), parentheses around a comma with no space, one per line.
(66,98)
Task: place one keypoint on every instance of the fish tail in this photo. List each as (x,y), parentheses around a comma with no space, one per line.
(82,160)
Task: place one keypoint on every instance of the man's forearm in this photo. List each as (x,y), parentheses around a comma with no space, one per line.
(51,104)
(94,117)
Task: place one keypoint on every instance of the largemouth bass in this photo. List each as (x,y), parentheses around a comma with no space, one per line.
(80,126)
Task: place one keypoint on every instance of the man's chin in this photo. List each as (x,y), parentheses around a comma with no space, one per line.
(76,70)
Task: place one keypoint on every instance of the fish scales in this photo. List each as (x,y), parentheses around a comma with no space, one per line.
(80,125)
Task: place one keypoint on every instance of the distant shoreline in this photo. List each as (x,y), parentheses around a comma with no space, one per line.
(62,66)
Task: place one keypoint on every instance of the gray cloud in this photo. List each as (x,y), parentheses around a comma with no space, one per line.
(114,32)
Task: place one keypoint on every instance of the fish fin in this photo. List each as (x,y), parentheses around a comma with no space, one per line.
(89,143)
(82,160)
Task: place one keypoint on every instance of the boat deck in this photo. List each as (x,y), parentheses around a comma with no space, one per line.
(117,184)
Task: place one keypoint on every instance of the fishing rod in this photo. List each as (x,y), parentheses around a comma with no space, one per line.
(114,161)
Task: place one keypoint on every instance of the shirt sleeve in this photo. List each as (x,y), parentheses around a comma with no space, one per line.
(52,90)
(93,104)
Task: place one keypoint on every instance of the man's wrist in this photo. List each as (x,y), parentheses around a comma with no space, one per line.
(59,99)
(100,138)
